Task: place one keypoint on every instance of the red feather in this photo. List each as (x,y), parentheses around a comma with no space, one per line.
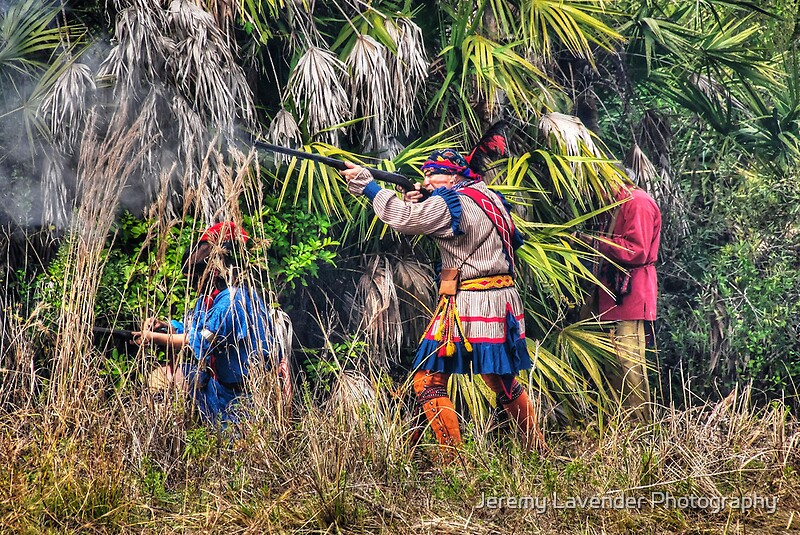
(492,146)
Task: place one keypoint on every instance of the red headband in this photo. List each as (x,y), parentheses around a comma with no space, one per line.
(225,231)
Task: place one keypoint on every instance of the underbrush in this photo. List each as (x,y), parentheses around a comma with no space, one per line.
(139,462)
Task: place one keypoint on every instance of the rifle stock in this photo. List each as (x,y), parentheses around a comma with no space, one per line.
(339,165)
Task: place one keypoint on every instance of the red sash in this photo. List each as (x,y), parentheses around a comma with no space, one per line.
(499,218)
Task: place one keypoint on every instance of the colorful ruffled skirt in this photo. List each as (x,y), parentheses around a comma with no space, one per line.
(492,322)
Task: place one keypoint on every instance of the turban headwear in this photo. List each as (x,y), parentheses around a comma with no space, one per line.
(449,162)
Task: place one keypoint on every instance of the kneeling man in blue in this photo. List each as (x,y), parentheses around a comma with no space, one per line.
(228,329)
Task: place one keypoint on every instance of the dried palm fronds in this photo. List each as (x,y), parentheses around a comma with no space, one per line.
(153,115)
(654,135)
(224,13)
(415,290)
(316,88)
(205,69)
(577,164)
(283,131)
(644,172)
(714,91)
(174,61)
(569,133)
(66,106)
(142,50)
(408,70)
(377,303)
(370,89)
(192,140)
(55,192)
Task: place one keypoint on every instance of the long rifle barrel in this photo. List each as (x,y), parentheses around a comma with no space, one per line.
(339,165)
(116,333)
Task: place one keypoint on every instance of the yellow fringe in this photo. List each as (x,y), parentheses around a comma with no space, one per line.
(449,326)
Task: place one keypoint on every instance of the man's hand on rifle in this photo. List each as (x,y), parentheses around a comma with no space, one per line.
(413,195)
(357,178)
(159,332)
(156,325)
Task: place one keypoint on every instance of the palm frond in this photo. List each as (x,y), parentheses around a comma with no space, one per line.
(589,350)
(644,172)
(370,89)
(28,37)
(283,131)
(376,298)
(657,39)
(205,69)
(56,194)
(142,48)
(715,91)
(733,48)
(66,106)
(320,184)
(415,292)
(498,68)
(316,86)
(408,70)
(575,24)
(556,267)
(568,133)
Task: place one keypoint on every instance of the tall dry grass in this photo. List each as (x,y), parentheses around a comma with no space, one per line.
(107,159)
(343,460)
(348,465)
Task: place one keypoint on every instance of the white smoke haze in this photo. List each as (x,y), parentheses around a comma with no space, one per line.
(167,66)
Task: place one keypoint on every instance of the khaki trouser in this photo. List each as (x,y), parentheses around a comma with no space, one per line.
(629,378)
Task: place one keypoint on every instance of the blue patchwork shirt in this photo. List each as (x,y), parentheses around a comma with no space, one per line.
(234,329)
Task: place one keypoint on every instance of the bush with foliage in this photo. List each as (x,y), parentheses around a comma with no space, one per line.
(143,264)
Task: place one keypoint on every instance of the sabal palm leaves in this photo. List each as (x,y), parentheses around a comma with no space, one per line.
(317,88)
(34,54)
(408,71)
(204,69)
(575,25)
(66,105)
(505,62)
(376,298)
(28,37)
(370,91)
(174,62)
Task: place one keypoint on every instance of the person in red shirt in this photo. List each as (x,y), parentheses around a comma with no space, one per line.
(630,243)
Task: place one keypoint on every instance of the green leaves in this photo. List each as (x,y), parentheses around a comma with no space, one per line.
(319,185)
(574,24)
(28,37)
(498,68)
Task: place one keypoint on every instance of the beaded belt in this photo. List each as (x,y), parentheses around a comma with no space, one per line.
(487,283)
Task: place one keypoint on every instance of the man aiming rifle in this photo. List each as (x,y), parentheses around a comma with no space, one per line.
(478,326)
(228,327)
